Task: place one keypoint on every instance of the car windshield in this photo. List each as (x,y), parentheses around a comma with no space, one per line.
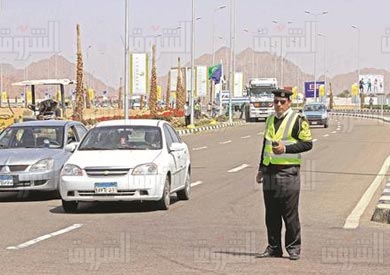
(122,138)
(314,108)
(32,137)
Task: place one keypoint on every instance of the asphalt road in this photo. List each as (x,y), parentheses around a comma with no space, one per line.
(221,228)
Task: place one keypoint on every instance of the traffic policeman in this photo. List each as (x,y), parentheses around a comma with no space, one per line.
(286,135)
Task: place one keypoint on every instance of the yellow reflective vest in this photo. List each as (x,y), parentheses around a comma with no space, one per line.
(283,134)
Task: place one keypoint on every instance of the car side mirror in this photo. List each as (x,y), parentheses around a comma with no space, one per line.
(71,147)
(176,146)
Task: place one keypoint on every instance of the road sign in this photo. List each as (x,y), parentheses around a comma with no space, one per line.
(309,88)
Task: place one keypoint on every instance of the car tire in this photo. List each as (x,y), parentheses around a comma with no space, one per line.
(184,194)
(326,125)
(70,206)
(165,201)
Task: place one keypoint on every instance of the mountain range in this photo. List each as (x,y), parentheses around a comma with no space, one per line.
(251,63)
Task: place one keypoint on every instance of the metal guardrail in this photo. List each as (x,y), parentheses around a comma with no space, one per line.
(371,114)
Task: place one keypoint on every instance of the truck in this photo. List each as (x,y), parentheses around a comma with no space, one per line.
(237,101)
(261,98)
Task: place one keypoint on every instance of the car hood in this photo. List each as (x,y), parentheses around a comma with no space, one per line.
(27,155)
(118,158)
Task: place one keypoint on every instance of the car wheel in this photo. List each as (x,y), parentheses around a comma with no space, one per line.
(185,193)
(326,125)
(165,201)
(70,206)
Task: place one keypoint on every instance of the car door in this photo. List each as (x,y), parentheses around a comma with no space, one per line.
(182,156)
(174,157)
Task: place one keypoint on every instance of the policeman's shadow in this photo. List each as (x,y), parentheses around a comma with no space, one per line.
(249,254)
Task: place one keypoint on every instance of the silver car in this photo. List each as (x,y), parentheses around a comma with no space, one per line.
(32,153)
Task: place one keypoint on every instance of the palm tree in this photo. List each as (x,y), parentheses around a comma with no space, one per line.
(168,92)
(78,110)
(153,84)
(180,92)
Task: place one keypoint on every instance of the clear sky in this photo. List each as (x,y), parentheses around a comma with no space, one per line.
(102,31)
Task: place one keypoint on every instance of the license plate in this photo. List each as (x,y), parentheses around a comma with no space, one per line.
(6,180)
(314,122)
(106,187)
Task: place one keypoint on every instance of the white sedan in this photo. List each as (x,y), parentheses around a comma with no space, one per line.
(127,160)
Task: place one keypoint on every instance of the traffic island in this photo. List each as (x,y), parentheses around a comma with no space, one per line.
(382,210)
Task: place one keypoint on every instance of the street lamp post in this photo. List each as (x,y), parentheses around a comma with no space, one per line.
(315,49)
(126,61)
(232,55)
(273,46)
(324,37)
(358,49)
(253,54)
(190,99)
(281,55)
(215,11)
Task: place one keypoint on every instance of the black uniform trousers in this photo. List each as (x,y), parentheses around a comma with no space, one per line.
(281,187)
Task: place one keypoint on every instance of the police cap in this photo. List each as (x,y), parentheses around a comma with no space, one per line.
(282,93)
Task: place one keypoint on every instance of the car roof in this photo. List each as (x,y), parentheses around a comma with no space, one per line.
(132,122)
(50,122)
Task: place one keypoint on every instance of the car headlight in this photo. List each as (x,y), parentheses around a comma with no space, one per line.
(71,170)
(42,165)
(324,116)
(145,169)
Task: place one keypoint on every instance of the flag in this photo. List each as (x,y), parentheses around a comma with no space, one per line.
(215,73)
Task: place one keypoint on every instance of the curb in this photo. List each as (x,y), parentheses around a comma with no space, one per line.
(210,127)
(382,209)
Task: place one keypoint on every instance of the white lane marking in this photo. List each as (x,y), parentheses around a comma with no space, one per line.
(199,148)
(338,129)
(245,137)
(225,142)
(334,132)
(314,140)
(353,219)
(44,237)
(196,183)
(326,135)
(243,166)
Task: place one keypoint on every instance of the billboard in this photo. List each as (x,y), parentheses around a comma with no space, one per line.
(201,81)
(238,84)
(309,88)
(371,83)
(138,74)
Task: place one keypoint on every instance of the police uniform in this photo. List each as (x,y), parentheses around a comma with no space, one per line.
(281,178)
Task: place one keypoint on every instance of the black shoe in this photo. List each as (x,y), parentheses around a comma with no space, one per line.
(269,254)
(294,256)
